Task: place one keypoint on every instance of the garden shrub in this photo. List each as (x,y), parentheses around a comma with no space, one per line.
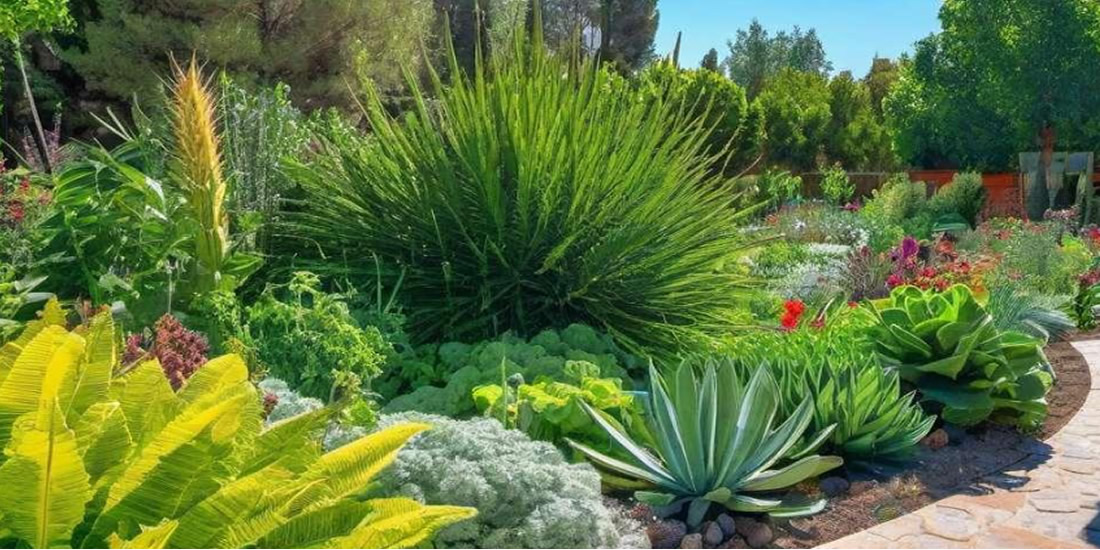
(777,187)
(1016,307)
(308,336)
(178,350)
(835,185)
(100,459)
(946,344)
(964,195)
(831,359)
(526,494)
(456,368)
(527,197)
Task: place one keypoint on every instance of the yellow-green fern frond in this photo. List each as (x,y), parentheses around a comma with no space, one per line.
(44,481)
(400,523)
(149,538)
(199,171)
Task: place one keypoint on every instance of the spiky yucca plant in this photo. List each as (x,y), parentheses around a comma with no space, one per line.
(91,459)
(198,170)
(531,193)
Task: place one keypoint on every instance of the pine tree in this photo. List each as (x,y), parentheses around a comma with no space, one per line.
(317,47)
(627,29)
(710,61)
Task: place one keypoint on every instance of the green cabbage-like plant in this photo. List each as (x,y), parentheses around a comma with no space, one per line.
(553,410)
(715,442)
(947,345)
(94,459)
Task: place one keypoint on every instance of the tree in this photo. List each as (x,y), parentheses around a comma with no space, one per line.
(1024,72)
(880,79)
(18,19)
(564,21)
(855,137)
(755,56)
(317,47)
(710,61)
(627,28)
(735,126)
(796,117)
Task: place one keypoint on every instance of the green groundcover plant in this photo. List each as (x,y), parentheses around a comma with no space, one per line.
(530,195)
(946,344)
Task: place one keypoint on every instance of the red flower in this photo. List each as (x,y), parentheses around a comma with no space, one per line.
(792,313)
(928,272)
(894,280)
(16,212)
(853,305)
(25,186)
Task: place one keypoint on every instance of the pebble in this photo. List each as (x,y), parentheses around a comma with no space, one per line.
(757,533)
(694,540)
(833,486)
(666,534)
(938,439)
(712,534)
(729,528)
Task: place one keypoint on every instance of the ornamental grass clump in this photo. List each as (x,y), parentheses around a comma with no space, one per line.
(530,194)
(946,344)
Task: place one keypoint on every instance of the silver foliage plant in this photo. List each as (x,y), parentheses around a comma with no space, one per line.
(526,493)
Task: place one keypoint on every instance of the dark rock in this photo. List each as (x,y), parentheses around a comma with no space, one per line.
(666,534)
(757,533)
(694,540)
(834,486)
(734,542)
(712,534)
(729,528)
(861,487)
(938,439)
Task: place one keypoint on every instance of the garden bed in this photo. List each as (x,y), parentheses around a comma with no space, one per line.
(884,494)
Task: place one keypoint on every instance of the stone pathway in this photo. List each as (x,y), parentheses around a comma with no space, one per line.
(1048,500)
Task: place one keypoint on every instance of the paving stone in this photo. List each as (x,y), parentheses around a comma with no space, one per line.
(1049,500)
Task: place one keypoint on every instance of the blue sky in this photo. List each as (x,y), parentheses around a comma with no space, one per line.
(853,31)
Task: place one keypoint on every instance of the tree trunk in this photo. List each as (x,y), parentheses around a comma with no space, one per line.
(39,133)
(1046,160)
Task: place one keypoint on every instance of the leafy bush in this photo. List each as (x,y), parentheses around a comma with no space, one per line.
(777,187)
(310,336)
(896,201)
(1086,300)
(947,345)
(735,126)
(15,294)
(25,203)
(91,459)
(526,494)
(964,196)
(836,186)
(528,197)
(441,380)
(833,362)
(714,442)
(552,410)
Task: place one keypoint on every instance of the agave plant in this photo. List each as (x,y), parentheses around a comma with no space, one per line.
(92,459)
(834,362)
(716,443)
(948,346)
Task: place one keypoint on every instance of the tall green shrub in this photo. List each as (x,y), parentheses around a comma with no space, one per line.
(531,195)
(965,196)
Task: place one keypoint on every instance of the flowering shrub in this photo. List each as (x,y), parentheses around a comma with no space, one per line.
(179,351)
(23,206)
